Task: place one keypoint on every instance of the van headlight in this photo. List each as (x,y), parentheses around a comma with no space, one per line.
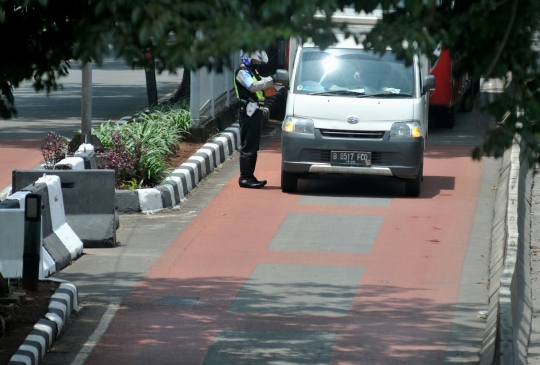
(298,125)
(406,129)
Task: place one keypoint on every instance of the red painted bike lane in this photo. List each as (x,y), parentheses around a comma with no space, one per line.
(401,310)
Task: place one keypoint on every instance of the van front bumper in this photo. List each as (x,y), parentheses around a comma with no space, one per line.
(399,157)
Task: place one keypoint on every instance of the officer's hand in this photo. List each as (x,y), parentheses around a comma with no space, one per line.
(273,77)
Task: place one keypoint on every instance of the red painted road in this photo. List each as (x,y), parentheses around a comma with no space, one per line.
(402,309)
(19,154)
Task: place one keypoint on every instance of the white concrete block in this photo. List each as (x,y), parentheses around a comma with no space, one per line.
(203,164)
(150,200)
(70,163)
(210,158)
(195,170)
(235,128)
(187,175)
(179,184)
(215,147)
(225,141)
(231,136)
(171,191)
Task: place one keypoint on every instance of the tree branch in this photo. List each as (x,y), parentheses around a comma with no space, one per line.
(500,3)
(503,42)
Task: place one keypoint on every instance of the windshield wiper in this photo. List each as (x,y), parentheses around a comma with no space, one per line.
(338,92)
(385,95)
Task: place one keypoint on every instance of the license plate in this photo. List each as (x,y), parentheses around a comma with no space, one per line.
(350,158)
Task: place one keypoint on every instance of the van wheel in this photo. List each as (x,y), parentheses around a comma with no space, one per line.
(413,187)
(467,102)
(449,117)
(289,182)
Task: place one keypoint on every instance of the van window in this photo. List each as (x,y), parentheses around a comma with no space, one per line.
(352,69)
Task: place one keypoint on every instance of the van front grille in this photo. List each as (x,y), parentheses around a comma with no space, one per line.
(352,134)
(323,156)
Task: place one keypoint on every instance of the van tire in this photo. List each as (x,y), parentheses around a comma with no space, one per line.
(289,182)
(449,117)
(413,187)
(467,102)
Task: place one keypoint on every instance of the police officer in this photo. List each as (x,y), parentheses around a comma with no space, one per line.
(249,87)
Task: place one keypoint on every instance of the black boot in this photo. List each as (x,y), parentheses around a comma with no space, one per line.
(246,180)
(254,178)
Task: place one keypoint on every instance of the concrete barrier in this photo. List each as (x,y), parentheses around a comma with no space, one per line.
(89,197)
(60,245)
(12,242)
(510,304)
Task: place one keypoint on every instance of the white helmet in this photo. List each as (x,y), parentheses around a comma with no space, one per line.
(247,57)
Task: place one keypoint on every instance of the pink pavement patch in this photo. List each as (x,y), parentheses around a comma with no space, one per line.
(18,154)
(403,307)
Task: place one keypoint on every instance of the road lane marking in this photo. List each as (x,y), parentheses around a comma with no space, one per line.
(96,335)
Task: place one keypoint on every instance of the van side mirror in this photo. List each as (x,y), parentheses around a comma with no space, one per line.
(282,78)
(429,84)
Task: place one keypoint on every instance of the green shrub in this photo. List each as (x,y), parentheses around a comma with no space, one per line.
(138,150)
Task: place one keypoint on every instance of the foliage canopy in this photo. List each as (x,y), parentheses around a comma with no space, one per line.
(493,37)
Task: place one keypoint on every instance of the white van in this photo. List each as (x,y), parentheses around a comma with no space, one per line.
(352,112)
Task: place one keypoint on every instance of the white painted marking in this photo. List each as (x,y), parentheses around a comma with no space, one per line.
(215,147)
(179,185)
(19,358)
(45,329)
(56,319)
(41,341)
(236,131)
(96,335)
(225,141)
(70,239)
(195,170)
(210,157)
(31,349)
(187,174)
(65,297)
(203,164)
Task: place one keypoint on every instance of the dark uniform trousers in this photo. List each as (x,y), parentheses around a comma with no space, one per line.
(250,137)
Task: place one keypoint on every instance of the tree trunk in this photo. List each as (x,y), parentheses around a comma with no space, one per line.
(183,90)
(4,287)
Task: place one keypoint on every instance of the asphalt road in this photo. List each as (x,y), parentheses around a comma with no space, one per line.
(346,271)
(116,89)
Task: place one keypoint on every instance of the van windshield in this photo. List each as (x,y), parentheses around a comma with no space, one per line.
(352,72)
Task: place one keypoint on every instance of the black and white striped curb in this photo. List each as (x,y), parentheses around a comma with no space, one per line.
(63,302)
(184,178)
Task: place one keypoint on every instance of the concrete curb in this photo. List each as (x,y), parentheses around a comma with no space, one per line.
(183,179)
(509,315)
(63,302)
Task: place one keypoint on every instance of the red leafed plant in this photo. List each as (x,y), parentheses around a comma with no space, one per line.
(53,149)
